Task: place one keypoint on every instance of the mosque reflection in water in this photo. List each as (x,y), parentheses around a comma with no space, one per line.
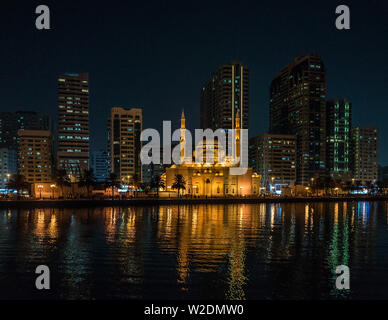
(263,251)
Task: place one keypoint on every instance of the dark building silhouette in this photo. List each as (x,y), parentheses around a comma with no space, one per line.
(73,123)
(338,140)
(383,174)
(223,95)
(298,107)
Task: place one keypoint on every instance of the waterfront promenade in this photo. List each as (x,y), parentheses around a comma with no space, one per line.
(151,201)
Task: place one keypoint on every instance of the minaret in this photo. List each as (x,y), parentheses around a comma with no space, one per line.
(237,134)
(183,136)
(183,120)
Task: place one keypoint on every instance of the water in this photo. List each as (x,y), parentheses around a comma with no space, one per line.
(263,251)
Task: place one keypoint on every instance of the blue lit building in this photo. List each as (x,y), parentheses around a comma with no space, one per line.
(8,165)
(100,165)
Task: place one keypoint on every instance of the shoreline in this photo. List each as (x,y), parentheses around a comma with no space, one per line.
(147,202)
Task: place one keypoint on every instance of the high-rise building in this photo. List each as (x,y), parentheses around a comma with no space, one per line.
(35,156)
(153,170)
(100,164)
(298,107)
(273,156)
(8,165)
(124,145)
(338,138)
(224,95)
(365,154)
(73,123)
(12,122)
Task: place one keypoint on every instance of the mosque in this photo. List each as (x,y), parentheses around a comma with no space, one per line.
(212,178)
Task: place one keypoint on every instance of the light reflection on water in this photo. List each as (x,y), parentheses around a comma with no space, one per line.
(263,251)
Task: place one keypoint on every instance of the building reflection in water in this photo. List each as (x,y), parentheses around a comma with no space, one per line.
(262,251)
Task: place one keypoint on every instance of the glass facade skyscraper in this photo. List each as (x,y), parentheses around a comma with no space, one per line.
(298,107)
(224,95)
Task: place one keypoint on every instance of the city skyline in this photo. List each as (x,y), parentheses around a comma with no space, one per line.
(54,118)
(298,106)
(194,158)
(125,73)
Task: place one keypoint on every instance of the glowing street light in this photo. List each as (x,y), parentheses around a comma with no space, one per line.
(52,189)
(8,176)
(272,185)
(40,187)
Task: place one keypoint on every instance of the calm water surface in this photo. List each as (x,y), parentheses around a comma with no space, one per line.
(263,251)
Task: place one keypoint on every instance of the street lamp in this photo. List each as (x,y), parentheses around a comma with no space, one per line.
(272,186)
(8,176)
(312,183)
(40,187)
(52,189)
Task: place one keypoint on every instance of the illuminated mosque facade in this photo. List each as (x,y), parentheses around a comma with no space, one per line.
(212,178)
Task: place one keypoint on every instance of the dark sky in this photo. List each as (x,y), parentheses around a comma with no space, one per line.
(157,54)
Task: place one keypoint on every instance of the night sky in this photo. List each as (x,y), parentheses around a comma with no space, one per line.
(157,54)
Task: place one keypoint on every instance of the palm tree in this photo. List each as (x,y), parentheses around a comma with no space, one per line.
(62,179)
(146,187)
(87,180)
(318,184)
(18,183)
(179,183)
(157,183)
(328,184)
(112,182)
